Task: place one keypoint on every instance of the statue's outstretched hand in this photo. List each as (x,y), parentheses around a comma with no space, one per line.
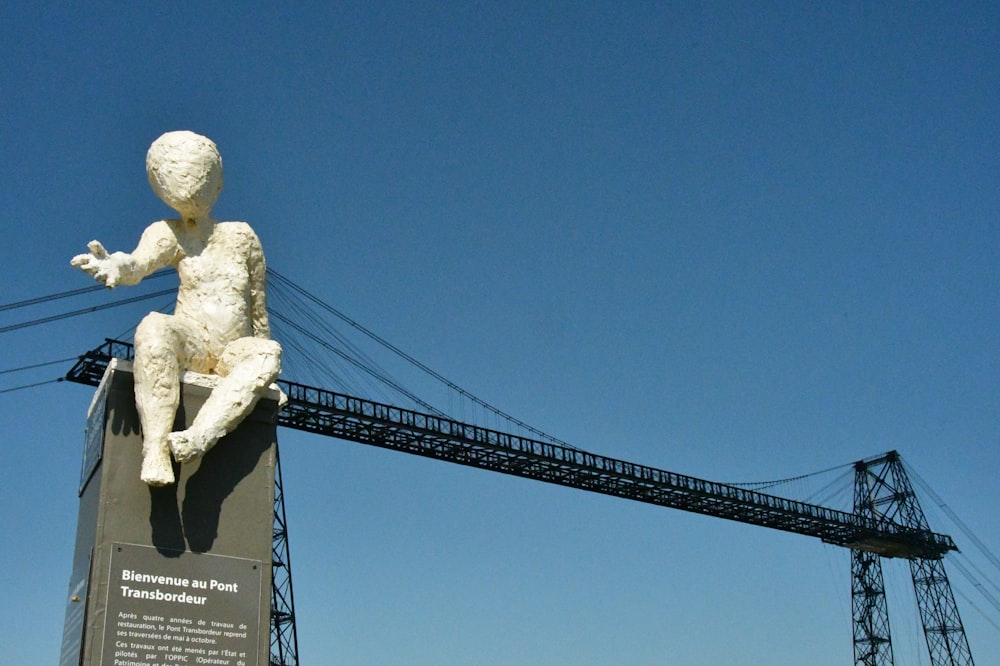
(102,266)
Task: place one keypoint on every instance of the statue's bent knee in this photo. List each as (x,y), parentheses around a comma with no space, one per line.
(260,354)
(154,333)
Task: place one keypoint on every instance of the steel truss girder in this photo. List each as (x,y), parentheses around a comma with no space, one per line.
(357,419)
(882,528)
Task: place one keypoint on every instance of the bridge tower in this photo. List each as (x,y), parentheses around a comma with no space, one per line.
(284,637)
(882,492)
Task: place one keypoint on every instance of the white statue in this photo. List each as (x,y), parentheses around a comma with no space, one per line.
(219,325)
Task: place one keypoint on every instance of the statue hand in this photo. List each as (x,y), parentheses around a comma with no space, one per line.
(98,264)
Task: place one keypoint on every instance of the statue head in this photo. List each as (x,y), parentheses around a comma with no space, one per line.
(185,171)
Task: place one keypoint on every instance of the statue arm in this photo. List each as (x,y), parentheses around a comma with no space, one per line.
(157,248)
(258,290)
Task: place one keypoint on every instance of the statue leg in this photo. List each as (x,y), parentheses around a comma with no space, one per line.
(157,393)
(247,367)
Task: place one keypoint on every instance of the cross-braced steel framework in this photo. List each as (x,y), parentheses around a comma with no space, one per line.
(284,640)
(884,494)
(872,640)
(886,522)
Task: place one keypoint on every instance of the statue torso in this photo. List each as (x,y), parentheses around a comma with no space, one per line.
(215,266)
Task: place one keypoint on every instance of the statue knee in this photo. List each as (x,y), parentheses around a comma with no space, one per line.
(262,357)
(270,353)
(151,324)
(155,335)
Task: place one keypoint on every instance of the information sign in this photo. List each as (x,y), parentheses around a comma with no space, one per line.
(182,608)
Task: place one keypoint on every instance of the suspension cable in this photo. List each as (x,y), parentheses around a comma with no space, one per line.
(758,485)
(38,365)
(399,352)
(953,516)
(67,294)
(27,386)
(83,311)
(374,373)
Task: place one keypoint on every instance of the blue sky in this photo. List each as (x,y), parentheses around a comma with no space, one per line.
(740,242)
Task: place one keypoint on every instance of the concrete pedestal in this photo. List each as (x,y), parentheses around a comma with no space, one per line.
(179,574)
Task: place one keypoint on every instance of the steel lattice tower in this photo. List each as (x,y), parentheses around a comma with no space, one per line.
(872,640)
(284,640)
(883,492)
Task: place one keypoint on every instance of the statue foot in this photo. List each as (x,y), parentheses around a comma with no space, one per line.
(187,445)
(157,470)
